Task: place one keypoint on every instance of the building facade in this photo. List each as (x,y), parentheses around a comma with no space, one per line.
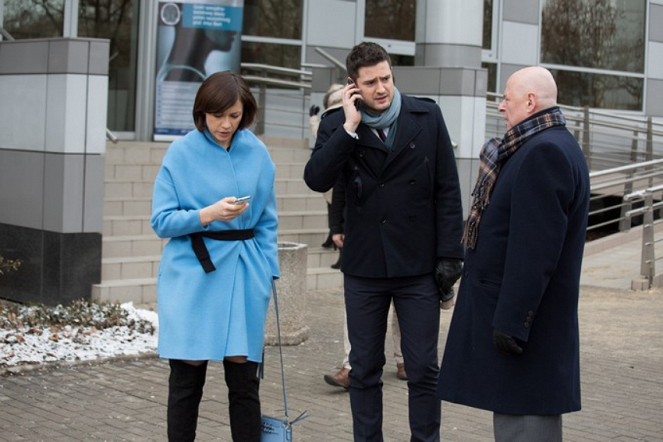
(605,53)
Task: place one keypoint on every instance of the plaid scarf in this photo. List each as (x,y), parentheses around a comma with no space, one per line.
(493,155)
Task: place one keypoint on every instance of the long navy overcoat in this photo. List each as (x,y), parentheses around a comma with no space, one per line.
(523,279)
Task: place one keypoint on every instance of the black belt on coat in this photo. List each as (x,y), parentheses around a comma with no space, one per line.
(200,249)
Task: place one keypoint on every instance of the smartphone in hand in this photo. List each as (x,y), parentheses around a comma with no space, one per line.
(241,200)
(350,81)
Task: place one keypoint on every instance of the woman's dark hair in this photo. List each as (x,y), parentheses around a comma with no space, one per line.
(220,91)
(363,55)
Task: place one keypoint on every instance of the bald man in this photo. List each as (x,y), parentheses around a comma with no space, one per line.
(512,346)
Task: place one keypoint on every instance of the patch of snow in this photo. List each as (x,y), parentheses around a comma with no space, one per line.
(77,343)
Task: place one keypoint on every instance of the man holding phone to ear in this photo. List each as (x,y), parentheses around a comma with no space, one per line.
(403,230)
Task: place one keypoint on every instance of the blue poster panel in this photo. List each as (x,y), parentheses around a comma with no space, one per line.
(195,38)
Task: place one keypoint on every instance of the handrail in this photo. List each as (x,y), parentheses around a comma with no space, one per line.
(111,136)
(331,58)
(625,168)
(6,34)
(276,81)
(275,69)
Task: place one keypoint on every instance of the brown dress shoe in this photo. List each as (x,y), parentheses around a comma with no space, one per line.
(400,372)
(339,379)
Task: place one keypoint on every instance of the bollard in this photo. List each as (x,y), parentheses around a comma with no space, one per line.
(291,291)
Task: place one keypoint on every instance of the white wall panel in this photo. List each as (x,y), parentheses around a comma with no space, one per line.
(97,105)
(655,60)
(331,23)
(65,122)
(520,43)
(466,120)
(22,112)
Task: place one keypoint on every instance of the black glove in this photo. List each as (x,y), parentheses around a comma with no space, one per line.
(506,344)
(447,272)
(313,110)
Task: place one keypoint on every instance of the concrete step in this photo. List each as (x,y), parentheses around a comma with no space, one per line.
(131,246)
(131,172)
(140,207)
(147,266)
(311,237)
(136,267)
(130,267)
(148,172)
(302,219)
(128,207)
(128,189)
(292,186)
(143,290)
(135,152)
(298,202)
(138,291)
(150,244)
(131,225)
(127,225)
(290,170)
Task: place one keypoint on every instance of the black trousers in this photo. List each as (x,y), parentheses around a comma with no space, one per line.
(417,304)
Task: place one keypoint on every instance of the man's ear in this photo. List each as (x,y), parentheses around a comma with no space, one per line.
(531,101)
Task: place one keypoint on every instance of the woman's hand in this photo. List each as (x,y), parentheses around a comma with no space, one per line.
(222,210)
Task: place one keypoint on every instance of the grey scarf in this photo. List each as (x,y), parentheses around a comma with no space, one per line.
(387,119)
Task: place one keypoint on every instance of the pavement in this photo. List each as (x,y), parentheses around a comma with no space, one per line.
(125,399)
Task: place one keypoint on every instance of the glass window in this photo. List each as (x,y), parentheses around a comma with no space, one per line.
(487,24)
(598,90)
(117,21)
(286,56)
(33,19)
(390,19)
(492,76)
(602,34)
(273,18)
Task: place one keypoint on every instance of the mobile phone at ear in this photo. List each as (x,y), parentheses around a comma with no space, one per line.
(241,200)
(350,81)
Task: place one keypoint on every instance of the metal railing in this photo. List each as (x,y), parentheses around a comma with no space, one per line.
(608,139)
(608,204)
(649,229)
(284,86)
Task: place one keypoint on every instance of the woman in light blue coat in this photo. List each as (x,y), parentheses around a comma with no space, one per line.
(216,271)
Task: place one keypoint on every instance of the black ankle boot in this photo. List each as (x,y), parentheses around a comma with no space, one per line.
(243,400)
(185,389)
(337,264)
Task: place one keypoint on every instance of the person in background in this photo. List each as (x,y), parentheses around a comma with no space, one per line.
(217,268)
(513,342)
(331,100)
(403,229)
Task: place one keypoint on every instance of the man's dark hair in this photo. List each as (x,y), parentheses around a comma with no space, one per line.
(219,92)
(363,55)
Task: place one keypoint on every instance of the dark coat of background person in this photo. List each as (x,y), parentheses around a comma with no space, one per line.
(522,279)
(412,189)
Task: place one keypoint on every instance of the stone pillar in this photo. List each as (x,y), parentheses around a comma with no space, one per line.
(448,69)
(291,291)
(449,33)
(52,145)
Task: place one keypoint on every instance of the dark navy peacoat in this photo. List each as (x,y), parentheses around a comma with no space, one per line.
(523,279)
(403,207)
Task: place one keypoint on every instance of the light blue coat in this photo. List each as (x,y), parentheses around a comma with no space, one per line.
(207,316)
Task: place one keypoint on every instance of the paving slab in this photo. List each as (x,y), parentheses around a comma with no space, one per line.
(125,400)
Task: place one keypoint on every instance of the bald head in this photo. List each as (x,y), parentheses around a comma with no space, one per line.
(539,82)
(528,91)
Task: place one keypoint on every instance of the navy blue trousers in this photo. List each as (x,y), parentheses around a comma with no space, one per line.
(417,304)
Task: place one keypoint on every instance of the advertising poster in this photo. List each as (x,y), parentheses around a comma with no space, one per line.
(195,38)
